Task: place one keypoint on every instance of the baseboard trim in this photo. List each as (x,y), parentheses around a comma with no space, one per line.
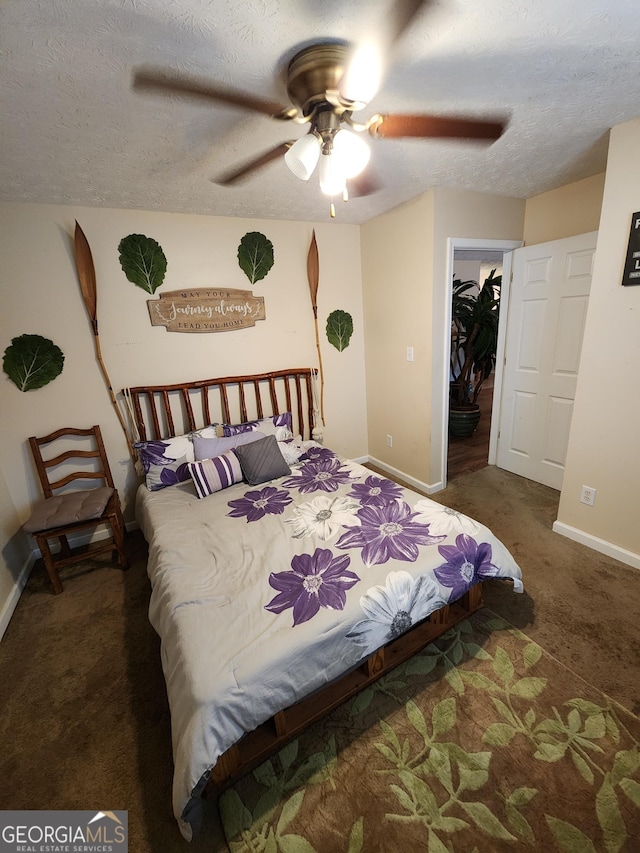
(361,460)
(11,601)
(407,478)
(608,548)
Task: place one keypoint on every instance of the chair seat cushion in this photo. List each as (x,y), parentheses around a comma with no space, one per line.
(72,507)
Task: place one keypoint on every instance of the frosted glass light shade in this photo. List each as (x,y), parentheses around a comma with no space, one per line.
(332,177)
(302,157)
(352,151)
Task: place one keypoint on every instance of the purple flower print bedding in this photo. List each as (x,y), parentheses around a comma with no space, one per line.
(264,594)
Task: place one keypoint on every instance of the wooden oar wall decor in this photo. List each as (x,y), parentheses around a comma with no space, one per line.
(87,279)
(313,276)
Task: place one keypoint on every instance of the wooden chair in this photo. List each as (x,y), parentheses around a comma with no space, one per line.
(64,512)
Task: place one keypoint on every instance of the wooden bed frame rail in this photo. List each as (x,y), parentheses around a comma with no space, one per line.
(260,744)
(164,411)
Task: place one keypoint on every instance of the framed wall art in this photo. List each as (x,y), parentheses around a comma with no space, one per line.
(632,264)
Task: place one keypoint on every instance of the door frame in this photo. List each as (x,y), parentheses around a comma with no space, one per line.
(454,243)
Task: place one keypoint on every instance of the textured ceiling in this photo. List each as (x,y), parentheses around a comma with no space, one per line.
(74,132)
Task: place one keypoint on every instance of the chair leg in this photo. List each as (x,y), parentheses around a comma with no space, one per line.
(47,559)
(118,530)
(65,548)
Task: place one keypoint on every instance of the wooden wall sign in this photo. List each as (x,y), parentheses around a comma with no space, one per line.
(203,310)
(632,265)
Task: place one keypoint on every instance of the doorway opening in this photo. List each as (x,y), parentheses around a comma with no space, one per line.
(471,452)
(440,434)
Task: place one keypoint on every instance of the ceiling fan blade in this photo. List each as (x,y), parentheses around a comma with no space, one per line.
(373,53)
(235,175)
(401,16)
(149,80)
(428,126)
(364,184)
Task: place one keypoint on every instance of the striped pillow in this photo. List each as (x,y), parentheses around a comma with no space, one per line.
(213,475)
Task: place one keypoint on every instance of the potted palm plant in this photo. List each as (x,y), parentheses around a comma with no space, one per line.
(474,339)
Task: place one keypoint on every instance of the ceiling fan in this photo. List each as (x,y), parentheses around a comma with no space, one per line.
(326,83)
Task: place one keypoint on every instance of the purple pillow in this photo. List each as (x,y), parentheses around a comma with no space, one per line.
(164,461)
(213,475)
(207,448)
(278,425)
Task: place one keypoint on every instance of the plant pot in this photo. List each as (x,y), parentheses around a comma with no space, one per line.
(463,420)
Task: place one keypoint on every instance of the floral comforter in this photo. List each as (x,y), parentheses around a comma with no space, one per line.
(263,594)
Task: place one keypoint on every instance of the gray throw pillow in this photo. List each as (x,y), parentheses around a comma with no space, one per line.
(262,460)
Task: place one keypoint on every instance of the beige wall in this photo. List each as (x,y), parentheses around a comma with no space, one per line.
(397,252)
(603,444)
(41,296)
(405,254)
(564,212)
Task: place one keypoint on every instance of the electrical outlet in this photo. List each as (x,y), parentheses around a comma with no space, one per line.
(588,495)
(409,353)
(389,441)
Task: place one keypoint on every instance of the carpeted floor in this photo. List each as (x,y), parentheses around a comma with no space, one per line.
(578,604)
(84,715)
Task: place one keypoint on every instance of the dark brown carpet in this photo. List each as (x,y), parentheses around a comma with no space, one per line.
(578,604)
(84,715)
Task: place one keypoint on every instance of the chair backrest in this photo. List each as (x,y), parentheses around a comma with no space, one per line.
(65,462)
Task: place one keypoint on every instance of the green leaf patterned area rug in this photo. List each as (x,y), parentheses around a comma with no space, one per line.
(483,742)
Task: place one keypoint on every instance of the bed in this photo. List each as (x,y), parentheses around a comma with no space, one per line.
(279,599)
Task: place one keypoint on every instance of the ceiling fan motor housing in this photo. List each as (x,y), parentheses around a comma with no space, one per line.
(313,72)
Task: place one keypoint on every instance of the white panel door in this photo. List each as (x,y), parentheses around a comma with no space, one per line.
(547,311)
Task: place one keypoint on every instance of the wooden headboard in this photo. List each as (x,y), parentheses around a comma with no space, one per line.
(162,411)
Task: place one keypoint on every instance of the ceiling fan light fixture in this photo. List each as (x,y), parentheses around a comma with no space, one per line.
(362,76)
(302,157)
(352,151)
(332,177)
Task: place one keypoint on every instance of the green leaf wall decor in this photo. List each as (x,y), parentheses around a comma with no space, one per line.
(32,361)
(143,261)
(255,255)
(339,329)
